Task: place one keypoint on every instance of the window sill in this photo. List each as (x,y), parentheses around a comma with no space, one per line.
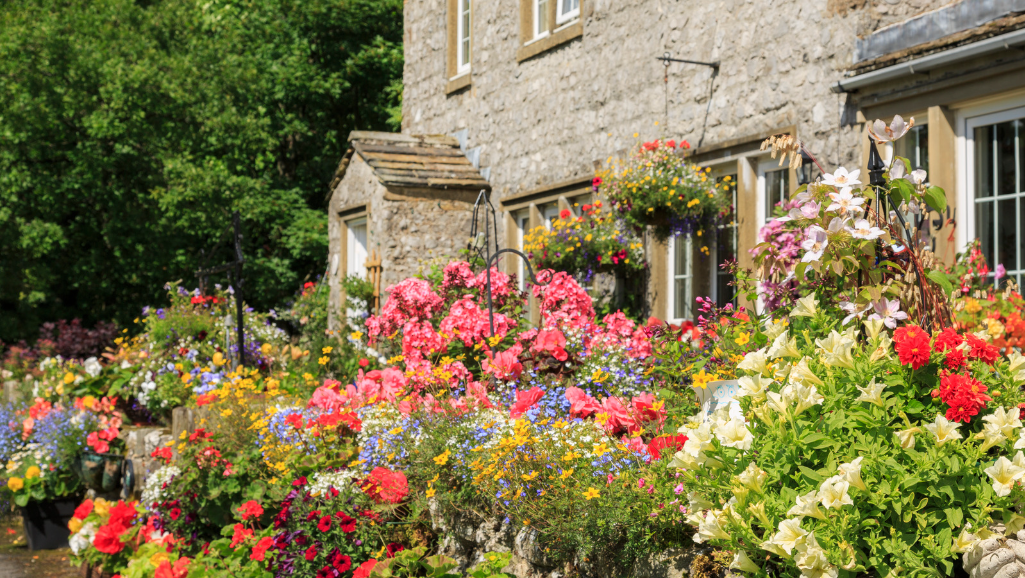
(457,83)
(560,36)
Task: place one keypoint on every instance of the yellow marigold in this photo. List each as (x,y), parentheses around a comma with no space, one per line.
(32,472)
(15,484)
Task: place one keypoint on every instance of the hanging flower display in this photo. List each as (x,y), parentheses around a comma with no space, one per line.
(656,187)
(594,242)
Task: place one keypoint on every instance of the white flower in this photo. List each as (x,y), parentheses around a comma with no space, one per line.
(845,202)
(1004,474)
(709,529)
(836,350)
(92,366)
(696,503)
(1020,442)
(753,386)
(807,505)
(743,563)
(841,178)
(862,229)
(884,134)
(917,177)
(965,540)
(944,430)
(806,306)
(801,373)
(812,561)
(806,397)
(833,493)
(872,393)
(1006,420)
(753,477)
(852,473)
(773,327)
(83,538)
(1016,361)
(777,402)
(784,346)
(790,535)
(754,362)
(852,311)
(888,312)
(734,434)
(698,439)
(815,243)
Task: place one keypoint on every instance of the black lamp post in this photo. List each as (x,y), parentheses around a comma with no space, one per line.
(804,174)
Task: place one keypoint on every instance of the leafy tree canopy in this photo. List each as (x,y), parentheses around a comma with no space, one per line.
(130,131)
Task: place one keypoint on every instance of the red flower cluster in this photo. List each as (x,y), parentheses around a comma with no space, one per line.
(163,453)
(385,486)
(251,509)
(965,396)
(108,537)
(673,443)
(913,346)
(206,300)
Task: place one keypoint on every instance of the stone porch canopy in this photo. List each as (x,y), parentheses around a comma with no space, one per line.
(397,200)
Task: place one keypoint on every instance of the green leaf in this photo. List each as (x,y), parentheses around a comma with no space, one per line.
(936,198)
(903,188)
(954,517)
(812,474)
(940,278)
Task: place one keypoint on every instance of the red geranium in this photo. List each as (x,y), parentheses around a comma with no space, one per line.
(251,509)
(364,569)
(163,453)
(122,515)
(386,486)
(108,539)
(260,550)
(241,533)
(179,570)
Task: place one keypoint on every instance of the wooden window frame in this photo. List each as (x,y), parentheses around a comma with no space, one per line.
(533,43)
(457,78)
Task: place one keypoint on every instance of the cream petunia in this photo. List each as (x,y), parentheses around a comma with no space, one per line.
(1004,473)
(807,505)
(944,430)
(743,563)
(801,373)
(1006,420)
(872,393)
(790,535)
(753,386)
(833,493)
(907,437)
(734,434)
(806,307)
(784,346)
(991,435)
(852,473)
(753,477)
(754,362)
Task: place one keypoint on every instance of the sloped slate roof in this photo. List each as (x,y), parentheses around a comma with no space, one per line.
(414,161)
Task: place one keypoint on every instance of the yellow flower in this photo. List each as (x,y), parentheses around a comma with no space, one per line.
(69,378)
(323,360)
(75,525)
(159,558)
(15,484)
(327,350)
(226,413)
(101,507)
(702,379)
(32,472)
(219,359)
(742,339)
(430,492)
(601,449)
(565,474)
(591,494)
(355,335)
(528,477)
(442,459)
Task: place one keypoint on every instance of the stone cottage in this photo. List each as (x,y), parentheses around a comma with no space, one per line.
(396,200)
(545,91)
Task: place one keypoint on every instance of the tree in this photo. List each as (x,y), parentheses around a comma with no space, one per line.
(130,130)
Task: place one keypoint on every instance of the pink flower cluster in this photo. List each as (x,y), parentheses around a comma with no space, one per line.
(457,276)
(410,300)
(470,324)
(622,333)
(564,303)
(618,416)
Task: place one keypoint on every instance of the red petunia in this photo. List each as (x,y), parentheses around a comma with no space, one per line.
(326,572)
(108,539)
(260,550)
(310,553)
(84,509)
(342,563)
(313,515)
(393,548)
(175,513)
(325,524)
(346,523)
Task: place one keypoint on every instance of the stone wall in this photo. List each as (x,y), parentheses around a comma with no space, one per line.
(552,117)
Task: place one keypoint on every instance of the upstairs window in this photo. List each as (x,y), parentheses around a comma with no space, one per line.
(568,10)
(463,37)
(540,18)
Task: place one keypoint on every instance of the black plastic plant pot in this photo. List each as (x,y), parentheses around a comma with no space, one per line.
(101,472)
(46,522)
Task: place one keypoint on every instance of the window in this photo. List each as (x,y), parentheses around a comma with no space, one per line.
(773,187)
(680,278)
(726,245)
(356,247)
(549,212)
(915,147)
(522,220)
(541,18)
(996,163)
(568,10)
(578,203)
(463,37)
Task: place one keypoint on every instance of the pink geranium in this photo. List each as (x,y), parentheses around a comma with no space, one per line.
(552,342)
(505,365)
(619,418)
(563,302)
(644,409)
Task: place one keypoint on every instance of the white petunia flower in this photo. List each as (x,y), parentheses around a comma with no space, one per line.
(872,393)
(944,430)
(841,178)
(734,434)
(807,505)
(1004,473)
(753,386)
(753,477)
(806,307)
(833,493)
(1006,420)
(790,535)
(852,473)
(754,362)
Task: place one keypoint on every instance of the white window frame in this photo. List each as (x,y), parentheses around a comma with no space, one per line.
(522,221)
(735,226)
(538,13)
(968,120)
(464,8)
(766,166)
(674,275)
(562,18)
(351,267)
(549,212)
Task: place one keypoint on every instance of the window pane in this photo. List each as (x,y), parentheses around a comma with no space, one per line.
(1007,235)
(777,187)
(541,17)
(466,32)
(984,228)
(681,308)
(922,160)
(681,260)
(1006,183)
(984,161)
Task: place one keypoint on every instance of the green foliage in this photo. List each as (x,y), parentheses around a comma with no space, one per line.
(359,294)
(416,562)
(131,130)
